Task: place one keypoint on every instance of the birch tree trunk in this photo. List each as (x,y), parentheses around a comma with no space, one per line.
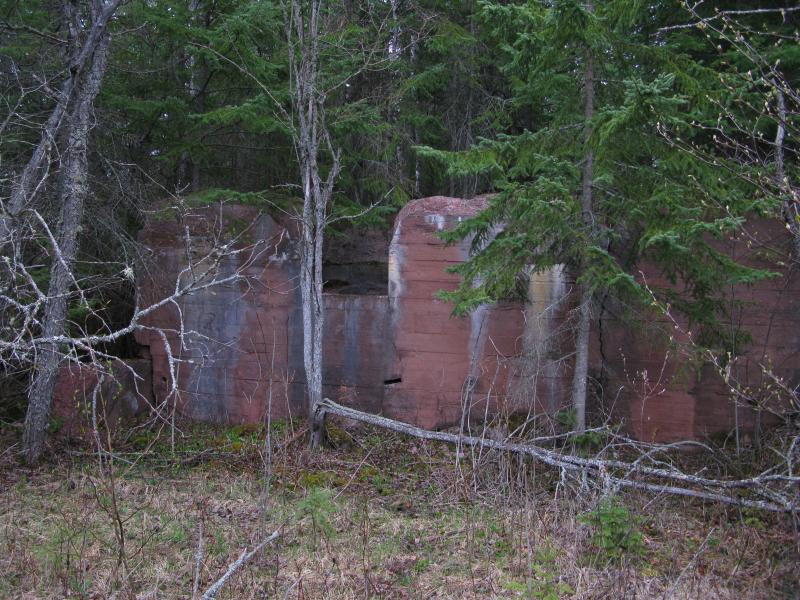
(73,193)
(581,373)
(311,138)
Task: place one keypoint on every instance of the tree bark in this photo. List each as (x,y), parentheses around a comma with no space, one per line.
(24,187)
(303,32)
(790,206)
(74,190)
(581,373)
(188,169)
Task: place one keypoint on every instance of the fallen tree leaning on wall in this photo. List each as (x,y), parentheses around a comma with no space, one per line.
(770,490)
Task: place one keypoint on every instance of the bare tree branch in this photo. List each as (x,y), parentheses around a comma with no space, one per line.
(245,557)
(783,499)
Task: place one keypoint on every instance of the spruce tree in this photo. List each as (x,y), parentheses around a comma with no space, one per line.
(585,177)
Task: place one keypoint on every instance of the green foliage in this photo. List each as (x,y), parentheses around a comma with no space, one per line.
(615,531)
(55,423)
(654,201)
(545,582)
(177,534)
(219,545)
(566,417)
(311,480)
(382,484)
(58,550)
(318,506)
(589,441)
(583,442)
(270,201)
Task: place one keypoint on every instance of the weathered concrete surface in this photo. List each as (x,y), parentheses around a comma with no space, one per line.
(225,367)
(406,356)
(243,351)
(126,392)
(444,366)
(664,394)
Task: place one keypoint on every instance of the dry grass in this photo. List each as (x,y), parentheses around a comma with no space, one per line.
(378,517)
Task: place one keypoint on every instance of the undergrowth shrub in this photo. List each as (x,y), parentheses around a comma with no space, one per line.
(319,506)
(615,530)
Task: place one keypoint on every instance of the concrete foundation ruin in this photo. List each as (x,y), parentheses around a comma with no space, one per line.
(392,347)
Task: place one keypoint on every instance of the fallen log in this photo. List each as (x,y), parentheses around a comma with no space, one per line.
(716,490)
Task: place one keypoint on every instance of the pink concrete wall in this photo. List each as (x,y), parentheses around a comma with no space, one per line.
(446,363)
(125,392)
(245,344)
(667,400)
(406,356)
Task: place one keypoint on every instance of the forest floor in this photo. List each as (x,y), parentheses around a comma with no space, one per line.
(376,516)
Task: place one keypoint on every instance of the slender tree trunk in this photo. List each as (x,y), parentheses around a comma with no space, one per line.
(74,190)
(27,183)
(303,31)
(196,91)
(317,307)
(311,295)
(791,203)
(581,373)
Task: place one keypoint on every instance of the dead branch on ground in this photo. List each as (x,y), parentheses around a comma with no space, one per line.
(778,492)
